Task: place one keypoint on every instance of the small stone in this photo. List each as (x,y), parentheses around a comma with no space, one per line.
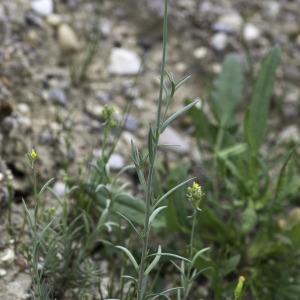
(54,20)
(116,162)
(4,196)
(58,96)
(60,188)
(251,32)
(229,23)
(2,272)
(42,7)
(171,137)
(23,108)
(219,41)
(156,7)
(94,111)
(8,125)
(200,53)
(103,96)
(290,134)
(131,124)
(8,257)
(67,38)
(124,62)
(1,177)
(105,28)
(272,8)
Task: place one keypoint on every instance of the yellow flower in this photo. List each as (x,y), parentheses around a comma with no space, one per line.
(33,154)
(195,194)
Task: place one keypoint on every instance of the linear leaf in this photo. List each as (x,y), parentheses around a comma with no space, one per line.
(155,213)
(154,262)
(167,194)
(176,115)
(130,256)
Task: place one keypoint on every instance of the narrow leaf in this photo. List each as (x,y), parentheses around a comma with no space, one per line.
(154,262)
(167,194)
(155,213)
(176,115)
(130,256)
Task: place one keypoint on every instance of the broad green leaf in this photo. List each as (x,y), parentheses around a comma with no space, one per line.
(230,265)
(248,219)
(227,90)
(256,117)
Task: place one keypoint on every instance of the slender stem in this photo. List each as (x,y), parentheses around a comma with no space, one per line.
(149,193)
(218,146)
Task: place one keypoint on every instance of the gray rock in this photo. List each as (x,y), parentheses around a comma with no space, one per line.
(103,96)
(105,28)
(178,143)
(116,162)
(219,41)
(124,62)
(42,7)
(58,96)
(131,123)
(4,197)
(229,23)
(156,7)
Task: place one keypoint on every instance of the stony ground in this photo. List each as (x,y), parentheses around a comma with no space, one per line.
(48,100)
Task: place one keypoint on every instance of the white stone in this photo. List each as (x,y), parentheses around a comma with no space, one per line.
(124,62)
(229,22)
(116,162)
(23,108)
(290,134)
(67,38)
(273,8)
(54,20)
(200,53)
(2,272)
(8,257)
(251,32)
(60,188)
(177,143)
(219,41)
(42,7)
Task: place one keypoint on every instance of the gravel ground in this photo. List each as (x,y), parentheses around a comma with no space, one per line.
(44,99)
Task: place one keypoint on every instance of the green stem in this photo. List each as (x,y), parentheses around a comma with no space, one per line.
(218,146)
(149,195)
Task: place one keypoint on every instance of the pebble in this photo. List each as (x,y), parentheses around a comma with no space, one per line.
(116,162)
(200,53)
(171,137)
(124,62)
(2,272)
(4,196)
(58,96)
(229,23)
(272,8)
(54,20)
(219,41)
(103,96)
(8,257)
(105,28)
(94,111)
(67,38)
(290,134)
(60,188)
(156,7)
(42,7)
(131,124)
(23,108)
(251,32)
